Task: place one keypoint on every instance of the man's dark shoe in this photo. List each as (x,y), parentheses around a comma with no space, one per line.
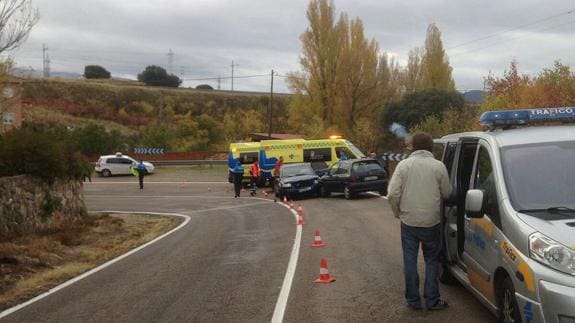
(414,307)
(440,305)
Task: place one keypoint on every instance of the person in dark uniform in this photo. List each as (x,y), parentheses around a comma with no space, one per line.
(141,172)
(238,172)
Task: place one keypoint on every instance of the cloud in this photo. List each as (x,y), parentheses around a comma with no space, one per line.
(206,35)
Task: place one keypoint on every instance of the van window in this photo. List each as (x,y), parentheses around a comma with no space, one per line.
(248,158)
(449,156)
(348,152)
(485,180)
(316,155)
(438,149)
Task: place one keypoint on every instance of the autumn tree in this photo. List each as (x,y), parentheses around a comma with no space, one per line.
(315,85)
(344,81)
(435,68)
(17,17)
(412,73)
(552,87)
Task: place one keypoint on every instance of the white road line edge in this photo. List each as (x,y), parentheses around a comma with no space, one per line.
(281,304)
(107,264)
(147,182)
(376,194)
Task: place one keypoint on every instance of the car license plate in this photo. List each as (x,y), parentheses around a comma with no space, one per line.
(305,189)
(371,178)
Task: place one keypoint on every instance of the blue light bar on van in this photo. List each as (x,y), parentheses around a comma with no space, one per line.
(526,116)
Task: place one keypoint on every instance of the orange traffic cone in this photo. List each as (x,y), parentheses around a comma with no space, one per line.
(324,277)
(300,219)
(317,242)
(291,205)
(285,199)
(265,193)
(299,209)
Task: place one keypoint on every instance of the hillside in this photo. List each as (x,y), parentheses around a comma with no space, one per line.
(176,119)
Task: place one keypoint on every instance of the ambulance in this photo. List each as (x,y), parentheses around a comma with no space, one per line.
(320,153)
(509,227)
(247,153)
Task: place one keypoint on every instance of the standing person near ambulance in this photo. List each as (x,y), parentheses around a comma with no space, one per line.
(255,173)
(238,172)
(417,187)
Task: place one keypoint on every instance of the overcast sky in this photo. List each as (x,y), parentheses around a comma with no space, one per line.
(205,36)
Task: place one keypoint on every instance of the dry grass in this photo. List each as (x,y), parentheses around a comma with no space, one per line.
(33,264)
(48,116)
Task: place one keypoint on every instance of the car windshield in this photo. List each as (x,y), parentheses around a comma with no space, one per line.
(540,176)
(297,170)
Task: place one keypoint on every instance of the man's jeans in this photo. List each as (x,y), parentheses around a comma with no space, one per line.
(430,242)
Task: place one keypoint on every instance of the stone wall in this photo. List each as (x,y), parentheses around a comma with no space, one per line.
(29,205)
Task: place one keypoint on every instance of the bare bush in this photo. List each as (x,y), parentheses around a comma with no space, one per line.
(17,17)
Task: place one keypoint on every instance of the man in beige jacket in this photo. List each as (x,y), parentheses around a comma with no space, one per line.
(415,192)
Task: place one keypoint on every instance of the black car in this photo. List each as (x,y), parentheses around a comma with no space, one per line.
(354,176)
(296,179)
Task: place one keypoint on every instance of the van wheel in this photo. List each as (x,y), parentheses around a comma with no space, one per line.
(106,173)
(323,192)
(347,193)
(509,309)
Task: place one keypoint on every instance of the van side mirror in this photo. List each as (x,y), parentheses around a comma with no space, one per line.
(474,203)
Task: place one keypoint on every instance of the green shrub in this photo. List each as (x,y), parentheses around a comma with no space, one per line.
(39,154)
(96,72)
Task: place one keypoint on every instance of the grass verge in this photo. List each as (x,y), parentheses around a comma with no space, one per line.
(33,264)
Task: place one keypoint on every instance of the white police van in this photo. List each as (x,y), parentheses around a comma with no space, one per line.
(509,227)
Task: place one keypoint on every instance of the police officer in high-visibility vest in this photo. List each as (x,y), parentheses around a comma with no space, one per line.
(238,172)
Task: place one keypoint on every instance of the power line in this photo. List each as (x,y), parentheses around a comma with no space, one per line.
(512,29)
(224,77)
(509,39)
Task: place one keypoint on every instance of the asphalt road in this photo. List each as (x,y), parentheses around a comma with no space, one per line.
(228,264)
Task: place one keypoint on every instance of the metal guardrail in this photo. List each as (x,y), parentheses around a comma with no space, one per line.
(188,162)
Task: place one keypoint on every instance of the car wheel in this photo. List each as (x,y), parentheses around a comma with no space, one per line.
(383,192)
(106,173)
(323,192)
(347,193)
(508,304)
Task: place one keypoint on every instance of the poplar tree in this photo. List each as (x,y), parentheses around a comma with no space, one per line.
(435,68)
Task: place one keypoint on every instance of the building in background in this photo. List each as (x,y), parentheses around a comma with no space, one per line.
(10,106)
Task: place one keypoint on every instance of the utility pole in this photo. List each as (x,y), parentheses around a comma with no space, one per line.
(170,61)
(233,65)
(161,109)
(271,104)
(45,60)
(219,81)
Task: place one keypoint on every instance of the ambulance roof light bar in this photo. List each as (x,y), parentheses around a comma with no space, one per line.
(509,118)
